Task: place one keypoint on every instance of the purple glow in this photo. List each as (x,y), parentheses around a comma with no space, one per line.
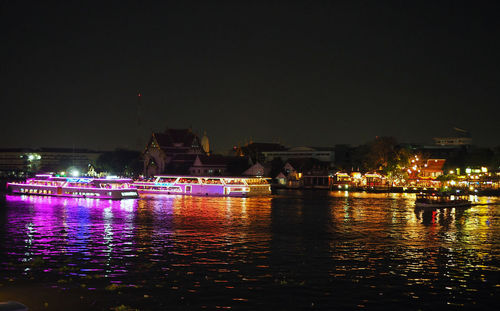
(76,187)
(58,227)
(206,186)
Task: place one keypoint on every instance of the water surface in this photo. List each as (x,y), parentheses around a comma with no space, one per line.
(292,251)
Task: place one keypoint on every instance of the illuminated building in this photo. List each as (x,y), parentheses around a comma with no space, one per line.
(306,172)
(374,179)
(320,153)
(205,165)
(173,151)
(433,168)
(21,161)
(257,170)
(460,137)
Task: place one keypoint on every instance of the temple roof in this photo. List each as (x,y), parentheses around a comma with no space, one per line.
(434,165)
(214,160)
(176,138)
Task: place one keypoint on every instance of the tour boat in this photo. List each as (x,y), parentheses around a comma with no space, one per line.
(78,187)
(441,200)
(205,185)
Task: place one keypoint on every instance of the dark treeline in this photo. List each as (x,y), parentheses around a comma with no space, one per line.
(120,162)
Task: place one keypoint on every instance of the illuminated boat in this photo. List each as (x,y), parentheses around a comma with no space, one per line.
(100,188)
(441,200)
(206,186)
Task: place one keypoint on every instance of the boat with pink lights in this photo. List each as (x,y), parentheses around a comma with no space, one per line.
(77,187)
(205,185)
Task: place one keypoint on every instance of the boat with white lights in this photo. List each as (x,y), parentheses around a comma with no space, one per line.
(77,187)
(205,185)
(441,200)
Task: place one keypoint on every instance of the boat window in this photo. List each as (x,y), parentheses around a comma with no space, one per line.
(212,181)
(234,181)
(257,181)
(188,180)
(167,180)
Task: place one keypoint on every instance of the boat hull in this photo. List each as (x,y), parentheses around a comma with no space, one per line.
(204,186)
(210,191)
(442,205)
(94,193)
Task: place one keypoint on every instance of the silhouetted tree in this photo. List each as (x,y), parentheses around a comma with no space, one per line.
(382,150)
(120,162)
(276,166)
(398,163)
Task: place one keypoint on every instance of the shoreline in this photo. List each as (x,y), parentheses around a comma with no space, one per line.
(484,192)
(480,192)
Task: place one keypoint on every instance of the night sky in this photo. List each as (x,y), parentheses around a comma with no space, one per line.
(315,73)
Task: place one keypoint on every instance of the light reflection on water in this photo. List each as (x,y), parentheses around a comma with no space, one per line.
(294,250)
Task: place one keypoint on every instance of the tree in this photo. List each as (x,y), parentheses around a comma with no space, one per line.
(120,162)
(359,158)
(382,151)
(276,166)
(398,163)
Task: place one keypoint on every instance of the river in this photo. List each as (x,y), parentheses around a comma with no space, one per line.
(310,250)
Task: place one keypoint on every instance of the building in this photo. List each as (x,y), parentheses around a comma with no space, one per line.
(452,141)
(432,169)
(305,172)
(459,137)
(23,161)
(172,151)
(256,151)
(204,165)
(324,154)
(257,170)
(182,152)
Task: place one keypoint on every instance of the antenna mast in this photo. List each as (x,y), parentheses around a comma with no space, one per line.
(139,120)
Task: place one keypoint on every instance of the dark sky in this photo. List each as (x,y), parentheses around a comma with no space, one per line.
(315,73)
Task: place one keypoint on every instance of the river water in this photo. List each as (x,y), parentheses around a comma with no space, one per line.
(308,250)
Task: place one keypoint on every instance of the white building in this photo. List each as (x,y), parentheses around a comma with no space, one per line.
(319,153)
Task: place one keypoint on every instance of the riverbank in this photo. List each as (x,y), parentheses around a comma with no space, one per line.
(480,192)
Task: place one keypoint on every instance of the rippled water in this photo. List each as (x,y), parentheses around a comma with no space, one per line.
(291,251)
